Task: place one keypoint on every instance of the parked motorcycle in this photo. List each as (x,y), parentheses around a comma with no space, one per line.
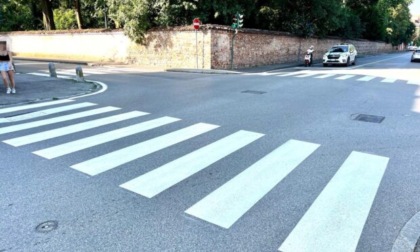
(309,56)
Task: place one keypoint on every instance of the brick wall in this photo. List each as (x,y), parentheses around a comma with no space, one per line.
(176,47)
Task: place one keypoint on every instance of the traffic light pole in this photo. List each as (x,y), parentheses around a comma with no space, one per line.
(231,50)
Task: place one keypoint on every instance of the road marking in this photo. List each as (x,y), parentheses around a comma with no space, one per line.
(45,112)
(345,77)
(111,160)
(84,143)
(228,203)
(168,175)
(290,74)
(49,134)
(32,106)
(325,76)
(367,78)
(336,219)
(306,75)
(35,124)
(413,82)
(389,80)
(48,75)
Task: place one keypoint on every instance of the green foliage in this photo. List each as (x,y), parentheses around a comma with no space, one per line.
(65,19)
(9,19)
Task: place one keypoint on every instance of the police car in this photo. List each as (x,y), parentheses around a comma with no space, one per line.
(344,54)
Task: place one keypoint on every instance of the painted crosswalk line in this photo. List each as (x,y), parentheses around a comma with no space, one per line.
(30,125)
(413,82)
(306,75)
(289,74)
(389,80)
(49,134)
(32,106)
(168,175)
(345,77)
(119,157)
(84,143)
(324,76)
(228,203)
(336,219)
(366,78)
(46,112)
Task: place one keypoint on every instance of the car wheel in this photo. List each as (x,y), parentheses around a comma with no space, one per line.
(354,61)
(348,61)
(325,65)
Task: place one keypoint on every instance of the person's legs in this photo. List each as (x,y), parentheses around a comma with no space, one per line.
(5,80)
(11,74)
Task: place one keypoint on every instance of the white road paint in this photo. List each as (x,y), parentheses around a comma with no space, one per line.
(84,143)
(389,80)
(168,175)
(379,61)
(324,76)
(49,134)
(228,203)
(54,120)
(32,106)
(367,78)
(345,77)
(119,157)
(414,82)
(46,112)
(290,74)
(336,219)
(306,75)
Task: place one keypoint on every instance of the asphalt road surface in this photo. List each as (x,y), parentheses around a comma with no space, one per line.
(298,159)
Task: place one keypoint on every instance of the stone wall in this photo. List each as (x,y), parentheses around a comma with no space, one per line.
(176,47)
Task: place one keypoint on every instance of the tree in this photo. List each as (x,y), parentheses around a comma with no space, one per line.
(77,9)
(47,13)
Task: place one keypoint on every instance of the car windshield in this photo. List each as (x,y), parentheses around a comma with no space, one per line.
(338,49)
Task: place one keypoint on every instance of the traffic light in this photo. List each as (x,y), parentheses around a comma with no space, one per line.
(238,21)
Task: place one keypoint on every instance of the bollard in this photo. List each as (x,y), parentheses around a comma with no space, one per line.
(53,72)
(79,74)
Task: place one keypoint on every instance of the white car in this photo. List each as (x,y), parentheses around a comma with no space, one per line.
(412,48)
(415,56)
(344,54)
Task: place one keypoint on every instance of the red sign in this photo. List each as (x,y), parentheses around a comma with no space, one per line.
(196,23)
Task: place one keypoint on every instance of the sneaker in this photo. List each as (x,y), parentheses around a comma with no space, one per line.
(9,90)
(13,91)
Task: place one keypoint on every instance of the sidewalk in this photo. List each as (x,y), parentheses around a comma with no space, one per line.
(31,88)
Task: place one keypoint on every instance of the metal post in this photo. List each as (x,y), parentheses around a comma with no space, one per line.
(196,47)
(79,74)
(231,50)
(51,68)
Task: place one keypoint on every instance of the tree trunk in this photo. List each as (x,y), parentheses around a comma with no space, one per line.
(47,15)
(78,14)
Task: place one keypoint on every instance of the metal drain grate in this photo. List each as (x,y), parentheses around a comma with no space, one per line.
(47,226)
(253,92)
(368,118)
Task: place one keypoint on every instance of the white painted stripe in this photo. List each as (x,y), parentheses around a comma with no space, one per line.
(413,82)
(48,75)
(367,78)
(40,74)
(168,175)
(46,112)
(32,106)
(290,74)
(389,80)
(345,77)
(111,160)
(84,143)
(335,220)
(228,203)
(49,134)
(325,76)
(306,75)
(35,124)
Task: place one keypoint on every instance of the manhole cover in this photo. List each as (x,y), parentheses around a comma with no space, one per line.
(253,92)
(47,226)
(368,118)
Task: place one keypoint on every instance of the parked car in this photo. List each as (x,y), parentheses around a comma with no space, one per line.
(415,56)
(344,54)
(411,48)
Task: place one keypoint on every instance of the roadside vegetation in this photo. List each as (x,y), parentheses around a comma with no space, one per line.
(383,20)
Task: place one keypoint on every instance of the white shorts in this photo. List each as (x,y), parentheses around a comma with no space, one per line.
(5,66)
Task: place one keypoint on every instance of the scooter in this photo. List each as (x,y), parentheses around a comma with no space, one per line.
(309,56)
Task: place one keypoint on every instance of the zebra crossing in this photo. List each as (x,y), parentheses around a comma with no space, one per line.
(336,75)
(71,73)
(338,214)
